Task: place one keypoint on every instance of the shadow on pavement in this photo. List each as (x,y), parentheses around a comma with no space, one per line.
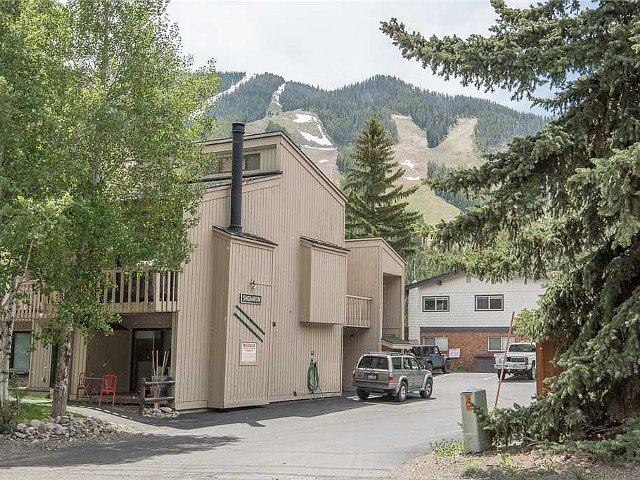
(130,449)
(252,416)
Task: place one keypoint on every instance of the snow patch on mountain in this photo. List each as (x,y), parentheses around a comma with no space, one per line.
(412,179)
(328,149)
(303,118)
(408,163)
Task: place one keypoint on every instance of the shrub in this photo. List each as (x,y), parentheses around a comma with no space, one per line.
(625,446)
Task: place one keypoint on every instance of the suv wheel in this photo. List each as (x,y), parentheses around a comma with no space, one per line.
(363,394)
(447,367)
(401,396)
(531,374)
(428,389)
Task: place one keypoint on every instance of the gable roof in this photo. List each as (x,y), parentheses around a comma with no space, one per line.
(437,278)
(283,138)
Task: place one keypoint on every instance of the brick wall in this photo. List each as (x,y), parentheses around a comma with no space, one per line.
(471,344)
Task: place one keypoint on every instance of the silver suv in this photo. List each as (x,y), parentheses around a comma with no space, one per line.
(395,374)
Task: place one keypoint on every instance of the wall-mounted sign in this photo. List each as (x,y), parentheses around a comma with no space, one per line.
(248,353)
(454,353)
(251,298)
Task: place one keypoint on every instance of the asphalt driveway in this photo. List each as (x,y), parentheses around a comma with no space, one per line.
(331,438)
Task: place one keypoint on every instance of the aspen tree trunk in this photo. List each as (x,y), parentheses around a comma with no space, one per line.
(7,322)
(61,385)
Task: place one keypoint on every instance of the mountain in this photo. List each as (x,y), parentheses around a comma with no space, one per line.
(425,126)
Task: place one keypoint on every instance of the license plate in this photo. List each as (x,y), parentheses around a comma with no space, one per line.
(371,376)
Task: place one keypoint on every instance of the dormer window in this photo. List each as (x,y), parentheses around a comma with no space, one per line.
(251,163)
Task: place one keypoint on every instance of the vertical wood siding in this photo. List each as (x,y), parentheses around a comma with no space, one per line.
(281,209)
(248,384)
(40,367)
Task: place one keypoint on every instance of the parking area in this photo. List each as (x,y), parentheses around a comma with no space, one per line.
(331,438)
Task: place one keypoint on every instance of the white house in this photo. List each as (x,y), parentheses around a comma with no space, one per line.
(467,317)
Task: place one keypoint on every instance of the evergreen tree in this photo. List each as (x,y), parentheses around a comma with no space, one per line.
(563,203)
(375,206)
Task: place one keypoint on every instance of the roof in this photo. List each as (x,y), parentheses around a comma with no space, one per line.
(246,178)
(322,243)
(246,235)
(435,279)
(395,342)
(387,244)
(287,139)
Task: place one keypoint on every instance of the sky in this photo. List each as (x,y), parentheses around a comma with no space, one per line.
(328,43)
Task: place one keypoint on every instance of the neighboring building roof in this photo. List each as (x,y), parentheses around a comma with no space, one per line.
(395,343)
(245,235)
(437,278)
(322,243)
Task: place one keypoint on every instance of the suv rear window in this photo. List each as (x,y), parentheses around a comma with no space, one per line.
(522,348)
(374,362)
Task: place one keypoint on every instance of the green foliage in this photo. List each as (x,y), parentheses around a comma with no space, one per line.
(561,204)
(473,470)
(274,127)
(508,465)
(345,161)
(228,79)
(623,447)
(376,206)
(446,449)
(249,102)
(120,132)
(437,172)
(344,111)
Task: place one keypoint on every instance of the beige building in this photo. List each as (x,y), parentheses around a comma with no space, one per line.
(271,285)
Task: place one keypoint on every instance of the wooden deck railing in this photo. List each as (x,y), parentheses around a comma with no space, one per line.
(144,291)
(130,292)
(358,311)
(32,304)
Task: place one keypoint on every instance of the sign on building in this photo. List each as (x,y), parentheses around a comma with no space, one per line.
(248,353)
(251,298)
(454,353)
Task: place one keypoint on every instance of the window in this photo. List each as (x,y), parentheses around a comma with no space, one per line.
(374,362)
(251,162)
(441,342)
(397,363)
(435,304)
(489,302)
(20,352)
(414,364)
(497,344)
(523,348)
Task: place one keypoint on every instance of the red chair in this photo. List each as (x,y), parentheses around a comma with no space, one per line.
(84,384)
(109,387)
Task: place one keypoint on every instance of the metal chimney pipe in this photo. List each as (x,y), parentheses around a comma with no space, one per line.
(237,160)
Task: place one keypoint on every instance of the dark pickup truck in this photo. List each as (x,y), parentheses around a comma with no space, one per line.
(430,357)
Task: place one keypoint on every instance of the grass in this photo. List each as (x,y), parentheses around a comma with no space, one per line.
(34,411)
(473,470)
(446,449)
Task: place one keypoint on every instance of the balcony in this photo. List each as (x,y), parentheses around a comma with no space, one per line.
(145,291)
(141,292)
(358,311)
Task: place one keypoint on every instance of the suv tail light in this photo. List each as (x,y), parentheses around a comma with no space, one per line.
(390,377)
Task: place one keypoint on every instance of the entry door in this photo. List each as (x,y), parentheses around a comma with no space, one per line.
(144,343)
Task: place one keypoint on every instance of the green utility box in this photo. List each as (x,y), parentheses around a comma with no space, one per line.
(475,439)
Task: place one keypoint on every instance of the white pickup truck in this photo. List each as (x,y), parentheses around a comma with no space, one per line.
(521,360)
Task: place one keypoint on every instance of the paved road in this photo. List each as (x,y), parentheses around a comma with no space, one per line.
(330,438)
